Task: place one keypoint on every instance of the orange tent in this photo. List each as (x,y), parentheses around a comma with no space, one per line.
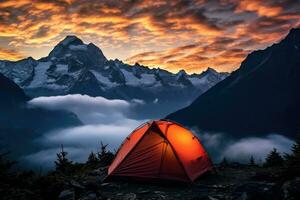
(161,150)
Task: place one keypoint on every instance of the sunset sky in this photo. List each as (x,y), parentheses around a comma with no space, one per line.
(173,35)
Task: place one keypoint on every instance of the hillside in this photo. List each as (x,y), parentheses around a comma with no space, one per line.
(261,97)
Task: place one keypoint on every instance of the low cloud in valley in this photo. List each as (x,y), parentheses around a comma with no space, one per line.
(110,121)
(104,121)
(220,145)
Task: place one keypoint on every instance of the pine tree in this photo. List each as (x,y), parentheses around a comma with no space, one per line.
(63,164)
(102,151)
(293,159)
(274,159)
(252,161)
(92,159)
(5,164)
(105,157)
(224,162)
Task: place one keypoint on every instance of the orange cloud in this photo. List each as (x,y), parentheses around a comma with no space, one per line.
(193,58)
(259,7)
(6,54)
(176,34)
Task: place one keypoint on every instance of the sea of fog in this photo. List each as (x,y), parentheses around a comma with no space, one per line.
(110,121)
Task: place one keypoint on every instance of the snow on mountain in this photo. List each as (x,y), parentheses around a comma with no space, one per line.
(21,72)
(40,76)
(206,79)
(75,67)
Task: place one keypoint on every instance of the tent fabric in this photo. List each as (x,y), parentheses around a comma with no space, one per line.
(161,150)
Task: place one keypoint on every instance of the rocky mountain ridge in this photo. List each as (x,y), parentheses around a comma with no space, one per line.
(74,67)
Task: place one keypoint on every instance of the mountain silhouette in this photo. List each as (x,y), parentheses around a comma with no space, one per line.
(262,96)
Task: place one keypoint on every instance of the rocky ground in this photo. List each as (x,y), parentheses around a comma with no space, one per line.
(86,181)
(241,182)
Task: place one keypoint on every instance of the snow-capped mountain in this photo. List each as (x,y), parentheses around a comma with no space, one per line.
(74,67)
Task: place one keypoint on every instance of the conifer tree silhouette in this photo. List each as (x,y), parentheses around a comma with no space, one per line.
(62,163)
(293,159)
(274,159)
(252,161)
(92,159)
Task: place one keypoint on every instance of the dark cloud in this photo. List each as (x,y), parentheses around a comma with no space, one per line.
(42,32)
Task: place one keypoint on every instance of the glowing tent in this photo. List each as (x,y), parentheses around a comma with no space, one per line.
(161,150)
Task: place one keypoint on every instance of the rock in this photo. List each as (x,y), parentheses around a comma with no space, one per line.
(218,186)
(76,185)
(129,196)
(255,190)
(105,184)
(92,182)
(99,172)
(110,187)
(290,190)
(67,195)
(160,195)
(143,192)
(89,196)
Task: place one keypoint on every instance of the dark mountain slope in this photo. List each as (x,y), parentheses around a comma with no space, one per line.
(262,96)
(11,95)
(15,113)
(19,124)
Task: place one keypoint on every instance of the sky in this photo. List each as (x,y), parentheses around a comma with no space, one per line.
(173,35)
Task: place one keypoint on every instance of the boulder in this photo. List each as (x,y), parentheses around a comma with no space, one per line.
(290,190)
(255,190)
(89,196)
(92,182)
(67,195)
(76,185)
(129,196)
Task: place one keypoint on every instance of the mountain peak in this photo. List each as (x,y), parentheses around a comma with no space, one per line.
(71,39)
(209,69)
(294,31)
(293,36)
(71,47)
(182,78)
(181,72)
